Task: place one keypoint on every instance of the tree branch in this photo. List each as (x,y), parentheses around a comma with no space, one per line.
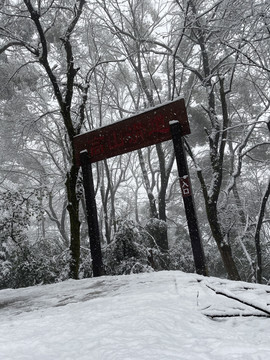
(230,295)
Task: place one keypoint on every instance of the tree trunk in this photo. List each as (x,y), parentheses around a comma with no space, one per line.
(257,233)
(223,246)
(150,195)
(104,192)
(73,210)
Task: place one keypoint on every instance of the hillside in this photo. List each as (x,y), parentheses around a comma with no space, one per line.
(162,316)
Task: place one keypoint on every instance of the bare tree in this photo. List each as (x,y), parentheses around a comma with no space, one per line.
(37,47)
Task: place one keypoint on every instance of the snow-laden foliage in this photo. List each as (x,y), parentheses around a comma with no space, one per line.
(134,250)
(127,253)
(25,261)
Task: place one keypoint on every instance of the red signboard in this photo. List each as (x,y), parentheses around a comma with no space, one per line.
(144,129)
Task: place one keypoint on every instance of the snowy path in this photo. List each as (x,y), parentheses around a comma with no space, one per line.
(157,316)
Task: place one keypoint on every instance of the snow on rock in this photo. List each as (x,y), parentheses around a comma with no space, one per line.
(157,316)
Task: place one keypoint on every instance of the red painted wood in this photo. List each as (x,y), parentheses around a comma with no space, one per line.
(142,130)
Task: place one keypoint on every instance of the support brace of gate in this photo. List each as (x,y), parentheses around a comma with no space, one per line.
(91,212)
(185,184)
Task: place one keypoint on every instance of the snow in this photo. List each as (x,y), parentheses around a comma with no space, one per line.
(155,316)
(172,122)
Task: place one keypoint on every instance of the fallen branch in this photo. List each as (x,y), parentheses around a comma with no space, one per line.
(218,315)
(230,295)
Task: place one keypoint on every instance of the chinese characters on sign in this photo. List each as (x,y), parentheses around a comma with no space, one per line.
(148,128)
(104,144)
(185,186)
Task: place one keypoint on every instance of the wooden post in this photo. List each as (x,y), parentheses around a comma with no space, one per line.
(91,213)
(185,184)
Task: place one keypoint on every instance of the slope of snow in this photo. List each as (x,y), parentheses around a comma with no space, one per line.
(157,316)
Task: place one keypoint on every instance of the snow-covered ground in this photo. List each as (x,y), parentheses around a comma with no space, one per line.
(157,316)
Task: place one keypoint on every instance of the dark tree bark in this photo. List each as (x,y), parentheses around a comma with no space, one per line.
(150,195)
(64,99)
(217,141)
(257,233)
(223,246)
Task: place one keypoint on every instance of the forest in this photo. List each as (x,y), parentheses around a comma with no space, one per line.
(70,66)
